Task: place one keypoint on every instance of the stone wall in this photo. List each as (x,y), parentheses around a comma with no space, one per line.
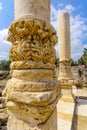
(78,74)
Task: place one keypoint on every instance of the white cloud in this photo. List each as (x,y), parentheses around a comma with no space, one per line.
(78,29)
(78,35)
(0,6)
(4,44)
(69,8)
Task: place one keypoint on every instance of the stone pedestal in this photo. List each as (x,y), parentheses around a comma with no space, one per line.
(66,107)
(65,73)
(64,48)
(32,93)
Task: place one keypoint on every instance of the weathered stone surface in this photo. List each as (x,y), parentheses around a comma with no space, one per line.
(36,8)
(2,100)
(34,98)
(78,80)
(32,93)
(32,115)
(17,85)
(50,124)
(4,74)
(64,37)
(32,39)
(33,74)
(31,64)
(3,116)
(3,119)
(65,71)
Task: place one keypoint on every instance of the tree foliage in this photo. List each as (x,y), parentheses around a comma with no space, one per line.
(73,63)
(4,65)
(85,56)
(83,59)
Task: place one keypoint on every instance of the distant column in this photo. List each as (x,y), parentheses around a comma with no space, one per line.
(64,47)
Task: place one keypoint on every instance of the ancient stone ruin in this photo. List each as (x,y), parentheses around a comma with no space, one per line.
(64,48)
(35,99)
(32,92)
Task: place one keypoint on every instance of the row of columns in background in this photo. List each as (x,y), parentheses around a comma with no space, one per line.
(32,93)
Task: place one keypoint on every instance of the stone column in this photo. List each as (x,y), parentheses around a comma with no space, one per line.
(32,92)
(35,8)
(64,47)
(66,103)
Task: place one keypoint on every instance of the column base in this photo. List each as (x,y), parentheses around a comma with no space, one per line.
(65,71)
(65,108)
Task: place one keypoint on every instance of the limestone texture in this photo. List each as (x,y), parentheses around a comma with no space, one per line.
(64,47)
(35,8)
(64,37)
(65,71)
(32,92)
(33,39)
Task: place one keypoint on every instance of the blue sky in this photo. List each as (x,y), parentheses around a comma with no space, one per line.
(6,13)
(78,24)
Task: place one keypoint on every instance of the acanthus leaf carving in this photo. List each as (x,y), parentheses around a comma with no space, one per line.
(32,39)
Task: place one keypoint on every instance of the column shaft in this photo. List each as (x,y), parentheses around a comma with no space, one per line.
(36,8)
(64,37)
(64,47)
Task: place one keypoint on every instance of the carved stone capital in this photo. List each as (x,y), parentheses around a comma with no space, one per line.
(32,39)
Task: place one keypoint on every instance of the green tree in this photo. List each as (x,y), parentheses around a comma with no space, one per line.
(81,61)
(73,63)
(4,64)
(85,56)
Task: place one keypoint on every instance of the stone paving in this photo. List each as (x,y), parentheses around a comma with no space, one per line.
(73,116)
(81,114)
(65,115)
(82,93)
